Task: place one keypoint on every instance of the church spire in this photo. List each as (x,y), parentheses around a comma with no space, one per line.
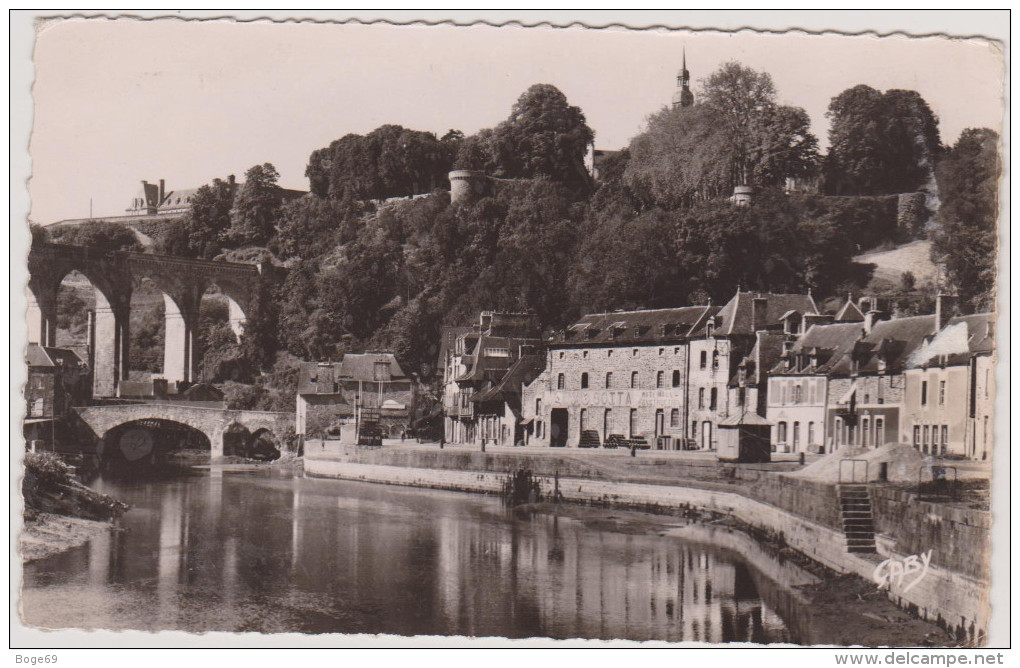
(683,97)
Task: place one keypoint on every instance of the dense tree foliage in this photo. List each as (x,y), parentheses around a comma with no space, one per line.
(966,236)
(98,234)
(737,135)
(256,207)
(880,142)
(390,161)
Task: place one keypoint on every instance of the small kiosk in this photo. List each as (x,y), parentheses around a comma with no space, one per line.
(746,437)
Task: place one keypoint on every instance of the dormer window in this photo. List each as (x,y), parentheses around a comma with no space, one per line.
(710,329)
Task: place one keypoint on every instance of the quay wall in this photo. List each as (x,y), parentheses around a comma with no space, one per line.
(803,514)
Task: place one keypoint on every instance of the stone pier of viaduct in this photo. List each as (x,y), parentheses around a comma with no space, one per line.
(115,275)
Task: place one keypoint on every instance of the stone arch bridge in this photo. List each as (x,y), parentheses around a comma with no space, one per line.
(212,422)
(115,275)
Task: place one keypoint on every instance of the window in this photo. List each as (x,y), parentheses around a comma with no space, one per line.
(811,433)
(942,393)
(945,436)
(560,384)
(781,432)
(609,379)
(676,351)
(634,354)
(694,428)
(633,380)
(584,419)
(676,378)
(584,381)
(674,418)
(879,432)
(924,438)
(561,354)
(712,399)
(715,359)
(934,435)
(865,423)
(538,406)
(917,435)
(633,423)
(585,354)
(701,397)
(497,352)
(661,351)
(924,392)
(660,379)
(704,359)
(609,353)
(796,434)
(867,398)
(607,423)
(798,394)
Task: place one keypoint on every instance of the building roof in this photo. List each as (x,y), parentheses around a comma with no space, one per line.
(361,366)
(523,372)
(447,340)
(36,355)
(482,366)
(962,337)
(747,418)
(735,318)
(644,327)
(325,377)
(827,344)
(849,313)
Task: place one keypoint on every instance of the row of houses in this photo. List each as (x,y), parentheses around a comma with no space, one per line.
(673,377)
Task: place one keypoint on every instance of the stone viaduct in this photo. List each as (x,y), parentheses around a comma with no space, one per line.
(114,275)
(213,422)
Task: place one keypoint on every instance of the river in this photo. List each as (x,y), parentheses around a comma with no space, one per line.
(271,551)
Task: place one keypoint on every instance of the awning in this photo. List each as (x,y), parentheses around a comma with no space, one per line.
(525,423)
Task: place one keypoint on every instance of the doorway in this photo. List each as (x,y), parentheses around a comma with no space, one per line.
(559,421)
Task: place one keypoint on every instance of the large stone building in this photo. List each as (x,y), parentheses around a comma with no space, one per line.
(950,390)
(362,386)
(620,373)
(475,363)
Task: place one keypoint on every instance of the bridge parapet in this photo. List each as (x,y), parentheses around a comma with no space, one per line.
(212,422)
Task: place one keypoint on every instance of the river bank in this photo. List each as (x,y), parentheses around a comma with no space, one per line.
(60,512)
(801,515)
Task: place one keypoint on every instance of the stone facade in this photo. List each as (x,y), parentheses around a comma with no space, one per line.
(631,391)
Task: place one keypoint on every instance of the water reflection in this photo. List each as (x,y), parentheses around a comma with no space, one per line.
(270,553)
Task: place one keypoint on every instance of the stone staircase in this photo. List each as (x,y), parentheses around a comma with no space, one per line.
(858,524)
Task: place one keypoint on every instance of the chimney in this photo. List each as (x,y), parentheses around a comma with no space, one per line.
(759,313)
(162,190)
(872,317)
(945,308)
(485,321)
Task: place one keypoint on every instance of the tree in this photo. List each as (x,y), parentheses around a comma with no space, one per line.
(40,235)
(965,240)
(742,97)
(544,136)
(736,136)
(256,207)
(390,161)
(208,221)
(880,143)
(312,226)
(98,234)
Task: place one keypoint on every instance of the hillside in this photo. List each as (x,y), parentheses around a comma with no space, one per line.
(914,257)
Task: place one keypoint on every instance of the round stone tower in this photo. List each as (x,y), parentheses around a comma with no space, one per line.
(466,183)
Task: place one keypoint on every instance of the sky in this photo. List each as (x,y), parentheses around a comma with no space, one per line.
(118,102)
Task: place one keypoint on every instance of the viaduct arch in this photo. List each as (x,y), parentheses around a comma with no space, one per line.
(113,274)
(214,423)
